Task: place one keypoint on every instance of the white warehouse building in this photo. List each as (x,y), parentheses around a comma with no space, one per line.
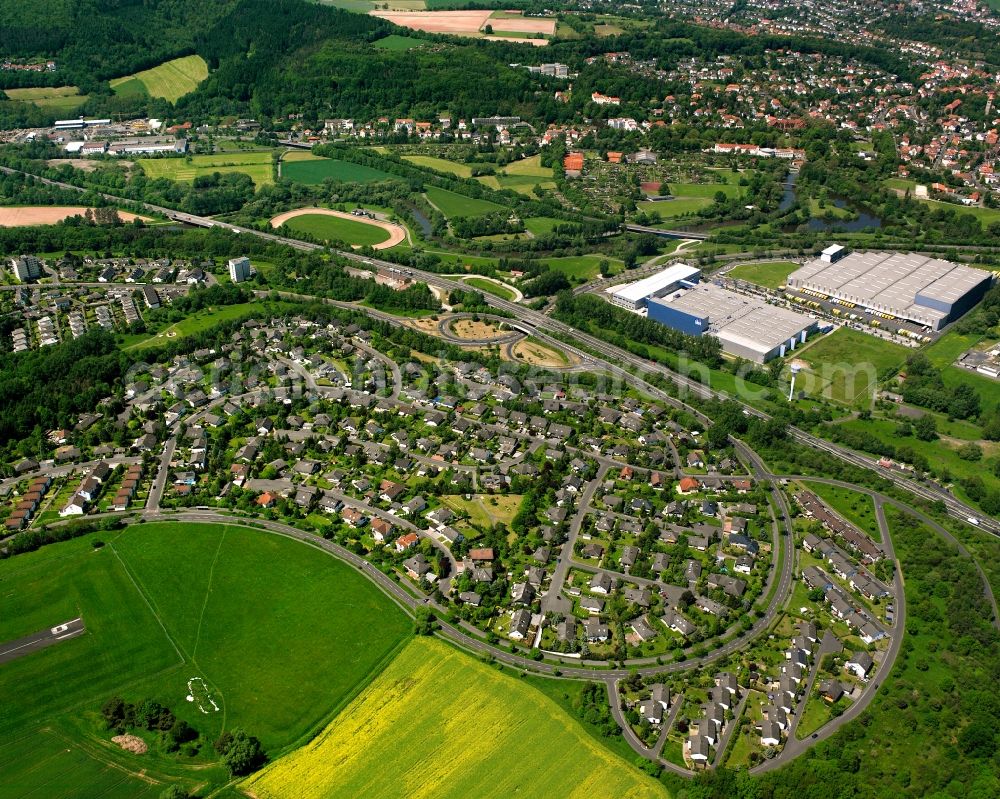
(634,296)
(928,291)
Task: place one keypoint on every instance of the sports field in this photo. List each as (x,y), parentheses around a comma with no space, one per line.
(58,99)
(170,80)
(451,204)
(770,274)
(256,164)
(279,632)
(437,723)
(327,225)
(304,167)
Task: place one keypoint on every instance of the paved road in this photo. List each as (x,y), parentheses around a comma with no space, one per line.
(12,650)
(554,601)
(616,361)
(729,729)
(162,473)
(794,747)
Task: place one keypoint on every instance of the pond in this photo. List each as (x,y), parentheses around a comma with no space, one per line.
(862,220)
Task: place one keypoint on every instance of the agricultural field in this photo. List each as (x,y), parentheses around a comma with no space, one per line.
(170,80)
(770,275)
(480,734)
(843,366)
(256,164)
(521,176)
(452,204)
(166,604)
(334,228)
(304,167)
(28,215)
(440,164)
(58,99)
(63,767)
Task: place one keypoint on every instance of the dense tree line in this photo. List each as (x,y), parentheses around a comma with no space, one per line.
(497,222)
(547,284)
(627,329)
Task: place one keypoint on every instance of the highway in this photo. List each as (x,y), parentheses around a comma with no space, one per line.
(11,650)
(538,324)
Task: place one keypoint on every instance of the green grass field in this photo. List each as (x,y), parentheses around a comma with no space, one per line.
(58,99)
(256,164)
(332,228)
(770,275)
(396,42)
(440,164)
(670,209)
(490,287)
(541,225)
(985,215)
(303,167)
(704,190)
(452,204)
(939,453)
(280,632)
(170,80)
(197,323)
(583,266)
(844,365)
(831,209)
(943,354)
(485,510)
(437,723)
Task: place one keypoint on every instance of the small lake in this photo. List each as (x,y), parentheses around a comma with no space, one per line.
(862,221)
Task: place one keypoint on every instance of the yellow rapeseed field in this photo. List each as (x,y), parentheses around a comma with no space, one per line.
(440,724)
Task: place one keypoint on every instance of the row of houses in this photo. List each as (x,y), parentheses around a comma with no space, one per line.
(815,508)
(722,698)
(28,504)
(841,607)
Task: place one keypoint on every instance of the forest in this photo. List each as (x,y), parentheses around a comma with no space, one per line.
(272,58)
(48,388)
